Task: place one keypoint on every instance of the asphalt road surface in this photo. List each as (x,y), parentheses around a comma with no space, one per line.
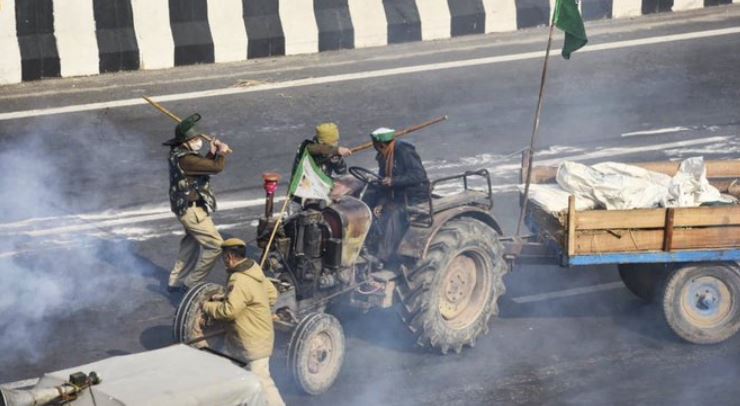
(86,237)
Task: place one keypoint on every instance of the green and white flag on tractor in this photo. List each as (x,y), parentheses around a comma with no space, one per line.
(309,181)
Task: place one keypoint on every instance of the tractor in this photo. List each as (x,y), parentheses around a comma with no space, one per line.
(445,285)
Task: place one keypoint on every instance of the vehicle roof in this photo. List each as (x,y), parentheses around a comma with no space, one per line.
(174,375)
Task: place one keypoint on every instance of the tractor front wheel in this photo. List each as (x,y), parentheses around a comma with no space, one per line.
(316,352)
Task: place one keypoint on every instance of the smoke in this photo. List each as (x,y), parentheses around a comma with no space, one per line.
(48,280)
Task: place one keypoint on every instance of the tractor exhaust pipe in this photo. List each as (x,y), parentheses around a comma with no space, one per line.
(270,184)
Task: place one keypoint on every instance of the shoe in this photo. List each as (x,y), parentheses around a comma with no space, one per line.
(176,289)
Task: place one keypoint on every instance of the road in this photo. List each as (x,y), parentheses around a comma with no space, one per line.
(86,237)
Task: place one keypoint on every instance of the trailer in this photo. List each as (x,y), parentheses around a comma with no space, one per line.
(686,259)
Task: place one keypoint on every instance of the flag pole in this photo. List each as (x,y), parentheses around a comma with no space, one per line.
(274,229)
(535,129)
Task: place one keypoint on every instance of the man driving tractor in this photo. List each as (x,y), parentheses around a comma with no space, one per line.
(404,183)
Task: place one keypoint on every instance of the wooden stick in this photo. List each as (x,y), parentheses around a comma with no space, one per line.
(402,133)
(177,119)
(205,337)
(274,231)
(163,110)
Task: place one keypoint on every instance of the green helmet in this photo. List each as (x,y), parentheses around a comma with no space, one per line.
(383,135)
(185,131)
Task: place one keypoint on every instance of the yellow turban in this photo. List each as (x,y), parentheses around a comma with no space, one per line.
(327,133)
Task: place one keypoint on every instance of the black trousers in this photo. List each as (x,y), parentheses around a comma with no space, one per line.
(392,225)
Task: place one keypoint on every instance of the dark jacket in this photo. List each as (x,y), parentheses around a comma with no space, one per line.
(190,180)
(409,178)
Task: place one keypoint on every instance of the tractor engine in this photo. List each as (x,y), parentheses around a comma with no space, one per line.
(317,248)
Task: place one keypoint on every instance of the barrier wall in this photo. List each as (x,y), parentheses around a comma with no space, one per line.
(62,38)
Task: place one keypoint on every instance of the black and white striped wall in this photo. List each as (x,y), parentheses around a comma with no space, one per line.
(63,38)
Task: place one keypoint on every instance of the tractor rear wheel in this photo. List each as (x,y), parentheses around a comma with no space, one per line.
(449,297)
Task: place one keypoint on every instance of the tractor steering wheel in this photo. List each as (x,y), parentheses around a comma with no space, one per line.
(365,175)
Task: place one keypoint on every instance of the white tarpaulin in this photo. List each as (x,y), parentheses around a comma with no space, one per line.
(177,375)
(554,199)
(618,186)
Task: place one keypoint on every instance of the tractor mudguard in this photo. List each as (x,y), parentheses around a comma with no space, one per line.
(415,242)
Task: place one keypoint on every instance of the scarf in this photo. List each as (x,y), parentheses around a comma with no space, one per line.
(389,153)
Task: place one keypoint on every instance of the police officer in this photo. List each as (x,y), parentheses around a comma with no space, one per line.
(325,150)
(193,202)
(247,309)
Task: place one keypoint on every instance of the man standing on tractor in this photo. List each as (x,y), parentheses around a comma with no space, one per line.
(247,309)
(193,202)
(325,150)
(404,183)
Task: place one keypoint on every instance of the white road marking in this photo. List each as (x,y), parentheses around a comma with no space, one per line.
(143,217)
(568,293)
(658,131)
(732,146)
(114,219)
(363,75)
(617,151)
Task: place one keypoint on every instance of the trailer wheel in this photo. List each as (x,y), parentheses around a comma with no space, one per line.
(316,352)
(701,303)
(448,299)
(643,280)
(186,325)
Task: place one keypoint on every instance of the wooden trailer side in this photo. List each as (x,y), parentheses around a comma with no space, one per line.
(594,232)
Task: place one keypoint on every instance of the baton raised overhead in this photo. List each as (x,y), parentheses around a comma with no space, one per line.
(177,119)
(403,133)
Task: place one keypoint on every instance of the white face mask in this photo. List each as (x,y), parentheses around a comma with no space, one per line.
(195,144)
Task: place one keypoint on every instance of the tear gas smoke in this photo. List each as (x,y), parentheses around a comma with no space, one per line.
(43,283)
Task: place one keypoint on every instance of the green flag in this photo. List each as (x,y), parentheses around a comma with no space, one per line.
(568,19)
(309,181)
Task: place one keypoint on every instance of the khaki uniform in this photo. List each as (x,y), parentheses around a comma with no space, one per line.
(250,334)
(192,200)
(199,248)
